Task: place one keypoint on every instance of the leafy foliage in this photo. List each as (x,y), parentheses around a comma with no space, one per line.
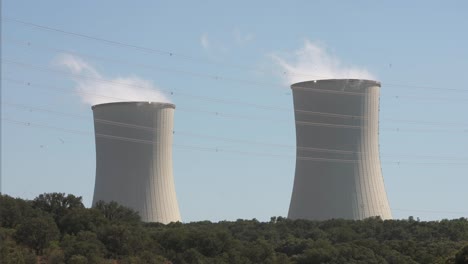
(56,228)
(37,233)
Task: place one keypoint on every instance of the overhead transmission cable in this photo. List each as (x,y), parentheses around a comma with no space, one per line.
(28,84)
(208,76)
(206,98)
(166,91)
(220,114)
(84,76)
(148,66)
(428,211)
(151,142)
(226,139)
(171,92)
(183,56)
(177,71)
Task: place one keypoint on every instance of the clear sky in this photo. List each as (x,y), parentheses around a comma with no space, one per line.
(221,62)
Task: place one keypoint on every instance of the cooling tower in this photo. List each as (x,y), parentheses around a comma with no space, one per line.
(134,158)
(338,172)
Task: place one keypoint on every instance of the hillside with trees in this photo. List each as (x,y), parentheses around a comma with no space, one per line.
(57,228)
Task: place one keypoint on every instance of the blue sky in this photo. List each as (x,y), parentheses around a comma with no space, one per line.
(417,49)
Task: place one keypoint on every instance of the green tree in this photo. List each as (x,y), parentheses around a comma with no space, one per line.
(12,253)
(110,232)
(78,259)
(117,213)
(57,204)
(85,244)
(191,255)
(321,251)
(293,246)
(462,256)
(14,210)
(82,219)
(123,239)
(149,257)
(259,251)
(37,233)
(55,256)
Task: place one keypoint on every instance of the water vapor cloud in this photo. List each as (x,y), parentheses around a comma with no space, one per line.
(204,41)
(95,88)
(242,38)
(315,62)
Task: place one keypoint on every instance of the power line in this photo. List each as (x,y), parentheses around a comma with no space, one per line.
(73,131)
(198,148)
(425,122)
(187,57)
(428,211)
(207,98)
(197,97)
(249,142)
(226,139)
(148,66)
(220,114)
(169,92)
(416,130)
(29,124)
(28,84)
(250,117)
(426,98)
(204,75)
(122,44)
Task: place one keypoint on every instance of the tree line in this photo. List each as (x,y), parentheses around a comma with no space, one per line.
(57,228)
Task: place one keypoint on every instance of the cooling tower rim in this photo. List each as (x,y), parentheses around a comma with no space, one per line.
(155,104)
(322,81)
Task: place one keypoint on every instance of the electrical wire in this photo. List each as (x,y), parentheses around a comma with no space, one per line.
(191,134)
(220,114)
(187,57)
(217,138)
(202,75)
(126,45)
(169,92)
(428,211)
(172,92)
(198,148)
(146,66)
(207,98)
(28,84)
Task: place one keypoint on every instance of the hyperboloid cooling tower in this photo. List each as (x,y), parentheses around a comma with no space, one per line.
(134,158)
(338,173)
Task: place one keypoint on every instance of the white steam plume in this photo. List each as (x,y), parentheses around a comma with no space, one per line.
(204,41)
(313,62)
(96,89)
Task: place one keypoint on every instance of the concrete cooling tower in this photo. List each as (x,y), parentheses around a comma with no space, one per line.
(338,173)
(134,158)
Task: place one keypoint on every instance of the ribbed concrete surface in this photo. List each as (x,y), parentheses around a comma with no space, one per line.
(134,158)
(338,171)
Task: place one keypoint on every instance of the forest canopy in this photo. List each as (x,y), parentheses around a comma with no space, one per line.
(57,228)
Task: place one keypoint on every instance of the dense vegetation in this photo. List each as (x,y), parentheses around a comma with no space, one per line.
(57,228)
